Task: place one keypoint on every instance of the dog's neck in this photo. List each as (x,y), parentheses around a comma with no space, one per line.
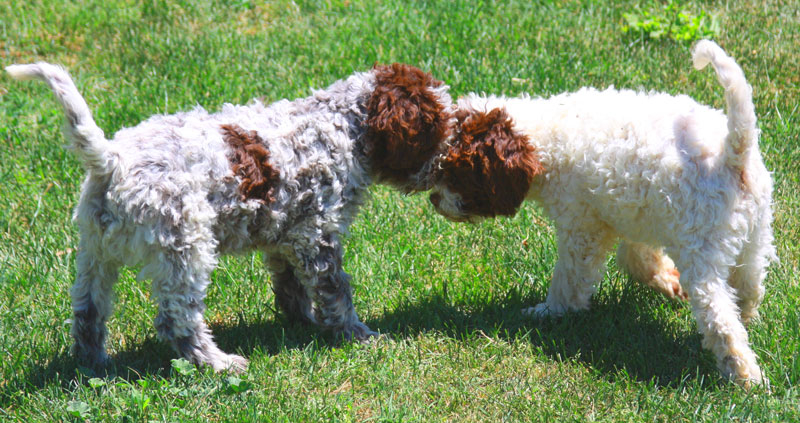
(398,118)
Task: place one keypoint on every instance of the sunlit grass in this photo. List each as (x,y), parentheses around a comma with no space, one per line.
(446,295)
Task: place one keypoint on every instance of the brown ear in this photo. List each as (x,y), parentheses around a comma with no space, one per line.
(490,165)
(406,123)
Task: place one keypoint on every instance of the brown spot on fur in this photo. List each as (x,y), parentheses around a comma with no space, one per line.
(249,158)
(744,181)
(406,123)
(489,164)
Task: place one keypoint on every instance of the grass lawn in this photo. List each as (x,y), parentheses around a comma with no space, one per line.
(447,295)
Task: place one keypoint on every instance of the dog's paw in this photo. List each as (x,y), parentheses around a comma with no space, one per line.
(543,310)
(745,373)
(95,357)
(669,283)
(360,332)
(221,362)
(748,315)
(231,363)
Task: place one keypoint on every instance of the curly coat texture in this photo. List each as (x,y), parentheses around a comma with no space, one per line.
(666,175)
(405,122)
(174,192)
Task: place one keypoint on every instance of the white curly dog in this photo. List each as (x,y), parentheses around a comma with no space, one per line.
(660,172)
(174,192)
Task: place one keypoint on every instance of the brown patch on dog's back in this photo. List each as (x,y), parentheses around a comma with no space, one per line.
(249,158)
(406,123)
(490,165)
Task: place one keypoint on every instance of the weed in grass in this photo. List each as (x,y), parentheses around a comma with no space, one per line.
(671,21)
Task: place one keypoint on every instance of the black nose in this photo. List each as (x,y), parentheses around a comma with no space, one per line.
(435,199)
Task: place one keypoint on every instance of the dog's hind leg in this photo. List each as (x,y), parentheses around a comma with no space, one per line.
(290,295)
(704,273)
(180,279)
(650,266)
(748,275)
(581,265)
(92,298)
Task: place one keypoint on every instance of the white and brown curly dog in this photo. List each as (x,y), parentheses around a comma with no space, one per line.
(661,173)
(174,192)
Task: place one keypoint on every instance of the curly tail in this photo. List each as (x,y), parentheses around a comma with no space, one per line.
(88,139)
(742,129)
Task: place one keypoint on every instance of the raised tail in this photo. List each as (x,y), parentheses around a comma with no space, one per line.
(742,129)
(88,139)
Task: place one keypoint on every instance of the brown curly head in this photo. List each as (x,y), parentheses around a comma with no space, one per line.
(407,122)
(490,166)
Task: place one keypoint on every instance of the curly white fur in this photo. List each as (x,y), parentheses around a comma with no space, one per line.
(163,195)
(655,170)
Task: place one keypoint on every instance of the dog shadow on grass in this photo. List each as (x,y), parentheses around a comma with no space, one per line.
(632,332)
(616,336)
(152,357)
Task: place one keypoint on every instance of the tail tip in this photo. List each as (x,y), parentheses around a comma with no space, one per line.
(23,72)
(703,53)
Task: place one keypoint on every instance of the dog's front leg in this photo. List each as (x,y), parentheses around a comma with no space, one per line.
(581,264)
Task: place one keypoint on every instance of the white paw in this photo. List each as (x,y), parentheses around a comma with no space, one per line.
(744,372)
(748,315)
(229,362)
(543,310)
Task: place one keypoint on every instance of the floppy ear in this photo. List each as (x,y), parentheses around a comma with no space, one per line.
(490,165)
(407,121)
